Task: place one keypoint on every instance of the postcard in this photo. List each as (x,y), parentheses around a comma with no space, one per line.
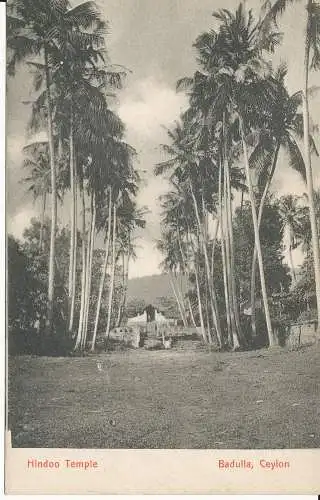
(162,240)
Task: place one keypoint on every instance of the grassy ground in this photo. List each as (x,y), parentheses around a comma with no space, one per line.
(182,398)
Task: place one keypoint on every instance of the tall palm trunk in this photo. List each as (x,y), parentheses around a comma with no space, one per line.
(89,270)
(183,273)
(203,331)
(237,335)
(118,320)
(208,280)
(307,159)
(181,296)
(191,313)
(233,337)
(254,257)
(229,246)
(194,258)
(176,295)
(256,236)
(86,281)
(51,276)
(206,307)
(122,300)
(214,241)
(103,273)
(73,231)
(294,278)
(225,284)
(223,253)
(242,200)
(125,294)
(83,271)
(216,319)
(112,270)
(43,211)
(72,219)
(74,271)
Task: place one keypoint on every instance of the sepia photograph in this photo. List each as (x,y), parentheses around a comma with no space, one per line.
(163,228)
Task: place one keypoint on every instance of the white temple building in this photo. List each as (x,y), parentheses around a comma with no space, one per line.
(150,315)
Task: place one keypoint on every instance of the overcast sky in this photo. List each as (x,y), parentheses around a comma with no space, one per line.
(154,40)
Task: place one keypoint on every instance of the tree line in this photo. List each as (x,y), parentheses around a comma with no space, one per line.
(240,117)
(85,160)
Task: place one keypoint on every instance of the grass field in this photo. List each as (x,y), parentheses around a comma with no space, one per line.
(182,398)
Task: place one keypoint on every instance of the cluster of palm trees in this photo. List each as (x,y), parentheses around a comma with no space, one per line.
(85,156)
(240,117)
(296,224)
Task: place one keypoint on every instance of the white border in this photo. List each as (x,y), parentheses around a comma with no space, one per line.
(3,298)
(2,230)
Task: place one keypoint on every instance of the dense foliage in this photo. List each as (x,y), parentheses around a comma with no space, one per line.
(224,258)
(240,117)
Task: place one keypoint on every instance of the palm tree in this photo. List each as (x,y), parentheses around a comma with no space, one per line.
(311,61)
(104,267)
(113,268)
(29,27)
(291,214)
(37,162)
(82,83)
(42,28)
(83,254)
(281,131)
(305,235)
(174,207)
(130,218)
(166,246)
(232,57)
(113,186)
(84,80)
(189,169)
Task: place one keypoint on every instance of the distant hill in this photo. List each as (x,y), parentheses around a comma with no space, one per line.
(149,288)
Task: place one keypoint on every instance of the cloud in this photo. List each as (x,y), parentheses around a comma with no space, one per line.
(147,262)
(18,223)
(148,106)
(15,144)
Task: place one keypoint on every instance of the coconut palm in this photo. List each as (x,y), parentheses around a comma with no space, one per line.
(232,56)
(37,162)
(188,166)
(130,218)
(41,29)
(32,31)
(118,181)
(174,220)
(311,62)
(282,130)
(170,264)
(97,139)
(82,80)
(291,214)
(306,236)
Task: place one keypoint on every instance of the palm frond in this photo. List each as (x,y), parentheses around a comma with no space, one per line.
(274,10)
(314,34)
(19,48)
(86,15)
(184,84)
(164,167)
(295,157)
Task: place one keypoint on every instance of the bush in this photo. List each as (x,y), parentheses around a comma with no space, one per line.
(310,315)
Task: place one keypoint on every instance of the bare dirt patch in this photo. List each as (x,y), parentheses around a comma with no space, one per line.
(167,399)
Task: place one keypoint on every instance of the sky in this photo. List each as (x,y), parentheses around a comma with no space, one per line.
(153,39)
